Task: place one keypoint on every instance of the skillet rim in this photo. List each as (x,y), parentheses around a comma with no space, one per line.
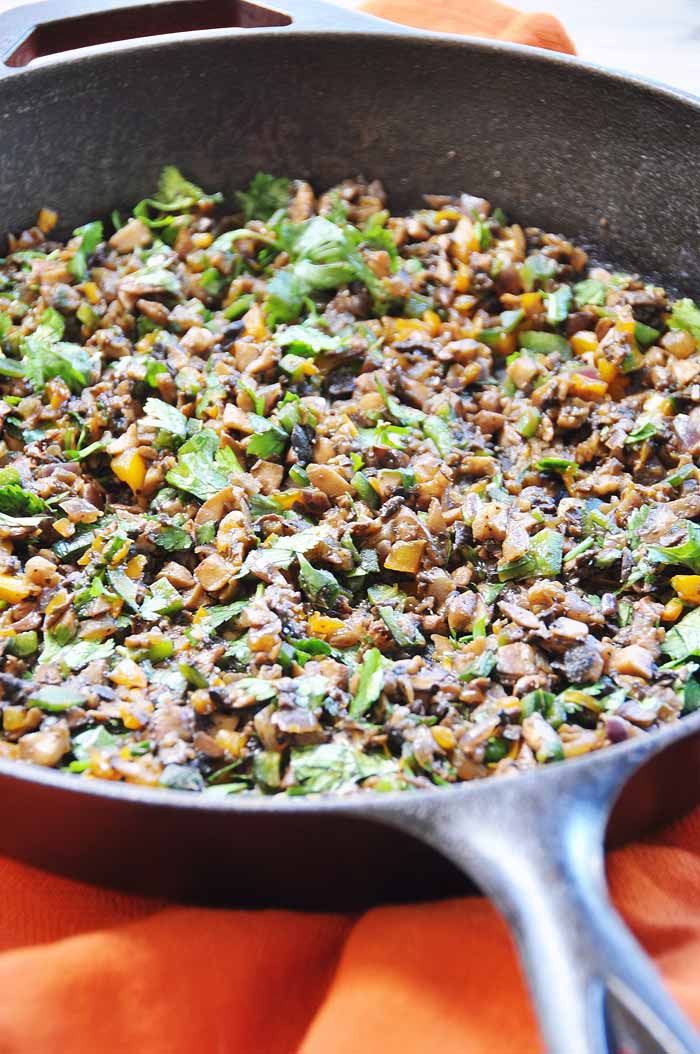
(364,804)
(376,28)
(369,804)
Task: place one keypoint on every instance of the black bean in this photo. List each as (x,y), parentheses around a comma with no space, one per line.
(302,444)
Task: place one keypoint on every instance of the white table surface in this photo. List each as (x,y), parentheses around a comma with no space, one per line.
(656,38)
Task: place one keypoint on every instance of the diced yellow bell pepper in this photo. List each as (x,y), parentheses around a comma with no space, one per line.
(584,341)
(130,468)
(405,326)
(202,240)
(254,322)
(286,498)
(405,556)
(587,387)
(531,303)
(58,600)
(47,220)
(607,370)
(673,610)
(432,320)
(129,674)
(12,589)
(91,291)
(687,587)
(323,625)
(134,568)
(444,737)
(462,278)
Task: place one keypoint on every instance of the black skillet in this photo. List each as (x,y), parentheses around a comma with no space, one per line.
(320,92)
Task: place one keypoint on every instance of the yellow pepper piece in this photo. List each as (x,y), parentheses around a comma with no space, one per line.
(47,220)
(254,322)
(531,303)
(584,341)
(202,240)
(323,625)
(64,527)
(447,214)
(405,556)
(444,737)
(91,291)
(587,387)
(12,590)
(130,468)
(286,498)
(462,278)
(404,326)
(687,587)
(134,568)
(673,610)
(607,370)
(128,673)
(432,320)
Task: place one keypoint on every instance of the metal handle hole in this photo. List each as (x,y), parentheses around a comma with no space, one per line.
(130,23)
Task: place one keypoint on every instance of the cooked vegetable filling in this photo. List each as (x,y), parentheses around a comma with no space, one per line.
(309,497)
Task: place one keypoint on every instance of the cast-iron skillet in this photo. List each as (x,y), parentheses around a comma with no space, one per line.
(324,93)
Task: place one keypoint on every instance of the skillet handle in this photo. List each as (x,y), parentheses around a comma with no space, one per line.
(537,851)
(42,29)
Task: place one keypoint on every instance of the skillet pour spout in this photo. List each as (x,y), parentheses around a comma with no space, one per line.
(593,147)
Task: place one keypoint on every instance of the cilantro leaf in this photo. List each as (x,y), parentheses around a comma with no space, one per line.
(265,195)
(590,291)
(687,553)
(173,539)
(174,188)
(319,585)
(166,417)
(371,682)
(45,356)
(685,314)
(202,469)
(683,639)
(15,500)
(333,765)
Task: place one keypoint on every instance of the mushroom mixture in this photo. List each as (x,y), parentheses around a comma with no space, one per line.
(308,497)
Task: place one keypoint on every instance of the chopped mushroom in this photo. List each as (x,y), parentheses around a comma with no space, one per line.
(302,496)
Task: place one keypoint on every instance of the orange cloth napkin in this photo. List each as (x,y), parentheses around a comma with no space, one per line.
(86,970)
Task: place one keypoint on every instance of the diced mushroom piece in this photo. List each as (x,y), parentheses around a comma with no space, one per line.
(584,663)
(79,511)
(178,575)
(491,521)
(133,235)
(568,630)
(213,573)
(542,739)
(269,475)
(516,660)
(40,571)
(47,746)
(634,661)
(198,340)
(329,480)
(237,419)
(463,609)
(520,615)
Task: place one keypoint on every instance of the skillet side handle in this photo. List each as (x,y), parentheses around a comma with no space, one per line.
(538,853)
(18,24)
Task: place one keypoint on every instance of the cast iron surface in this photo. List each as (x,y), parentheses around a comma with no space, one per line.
(604,158)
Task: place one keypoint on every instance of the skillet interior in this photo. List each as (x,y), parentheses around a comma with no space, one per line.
(551,142)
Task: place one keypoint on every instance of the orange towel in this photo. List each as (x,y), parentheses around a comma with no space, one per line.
(85,970)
